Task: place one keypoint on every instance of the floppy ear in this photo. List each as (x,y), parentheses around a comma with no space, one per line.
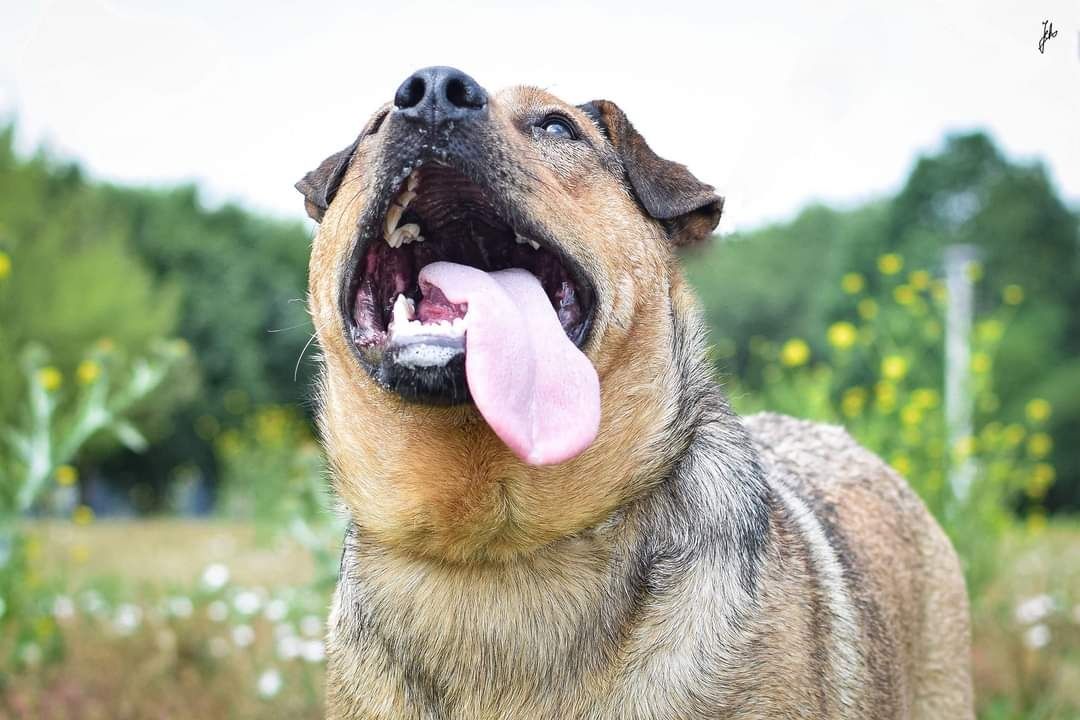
(688,208)
(319,185)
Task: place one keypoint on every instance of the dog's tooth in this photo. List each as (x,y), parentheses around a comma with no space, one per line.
(393,217)
(405,198)
(414,181)
(404,235)
(521,240)
(403,311)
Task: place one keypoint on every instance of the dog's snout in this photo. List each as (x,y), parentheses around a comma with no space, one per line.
(438,94)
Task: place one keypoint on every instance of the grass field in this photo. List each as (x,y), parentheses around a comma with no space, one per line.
(181,619)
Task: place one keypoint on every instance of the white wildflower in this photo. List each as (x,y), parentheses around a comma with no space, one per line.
(289,647)
(1034,609)
(30,654)
(243,635)
(313,651)
(180,606)
(269,683)
(128,618)
(312,626)
(276,610)
(92,602)
(1037,636)
(247,602)
(63,608)
(215,576)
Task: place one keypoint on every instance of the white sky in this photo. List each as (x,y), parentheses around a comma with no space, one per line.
(774,103)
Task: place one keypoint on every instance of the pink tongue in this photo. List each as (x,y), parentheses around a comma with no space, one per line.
(537,391)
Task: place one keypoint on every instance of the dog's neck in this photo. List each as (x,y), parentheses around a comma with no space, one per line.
(553,620)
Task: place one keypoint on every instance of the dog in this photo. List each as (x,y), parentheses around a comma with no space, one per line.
(554,513)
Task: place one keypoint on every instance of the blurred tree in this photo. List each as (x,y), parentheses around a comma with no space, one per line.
(70,280)
(790,280)
(83,261)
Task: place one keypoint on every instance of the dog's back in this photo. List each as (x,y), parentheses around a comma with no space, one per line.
(894,607)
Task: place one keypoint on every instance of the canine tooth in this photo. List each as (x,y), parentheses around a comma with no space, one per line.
(526,241)
(393,217)
(405,198)
(404,235)
(403,310)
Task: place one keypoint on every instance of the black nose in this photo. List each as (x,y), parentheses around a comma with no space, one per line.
(439,94)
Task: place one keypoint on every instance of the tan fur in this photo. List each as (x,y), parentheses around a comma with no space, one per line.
(483,578)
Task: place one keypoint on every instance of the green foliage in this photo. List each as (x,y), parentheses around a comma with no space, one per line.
(57,422)
(82,261)
(273,472)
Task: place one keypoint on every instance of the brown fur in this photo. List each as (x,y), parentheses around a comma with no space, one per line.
(666,572)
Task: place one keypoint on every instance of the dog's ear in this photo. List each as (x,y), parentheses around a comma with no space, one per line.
(319,185)
(688,208)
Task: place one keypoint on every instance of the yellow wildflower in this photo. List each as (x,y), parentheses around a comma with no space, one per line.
(939,291)
(66,475)
(867,308)
(1012,294)
(925,398)
(1038,410)
(885,393)
(852,283)
(1014,434)
(1039,445)
(87,372)
(980,363)
(842,335)
(890,264)
(852,401)
(965,447)
(894,367)
(920,279)
(904,295)
(1041,478)
(5,265)
(990,331)
(795,352)
(911,415)
(82,515)
(902,464)
(974,271)
(50,378)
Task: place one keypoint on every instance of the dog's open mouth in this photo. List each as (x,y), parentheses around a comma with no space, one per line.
(439,215)
(450,301)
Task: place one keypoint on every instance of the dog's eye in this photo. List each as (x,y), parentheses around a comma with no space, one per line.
(557,127)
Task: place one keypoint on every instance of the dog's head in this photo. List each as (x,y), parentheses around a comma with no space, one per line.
(468,407)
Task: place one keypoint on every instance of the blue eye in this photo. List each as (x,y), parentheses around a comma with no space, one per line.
(557,127)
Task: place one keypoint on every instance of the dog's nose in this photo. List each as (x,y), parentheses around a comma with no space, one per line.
(438,94)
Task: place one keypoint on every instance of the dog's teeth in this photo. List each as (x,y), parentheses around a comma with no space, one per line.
(393,217)
(405,198)
(404,309)
(520,240)
(404,235)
